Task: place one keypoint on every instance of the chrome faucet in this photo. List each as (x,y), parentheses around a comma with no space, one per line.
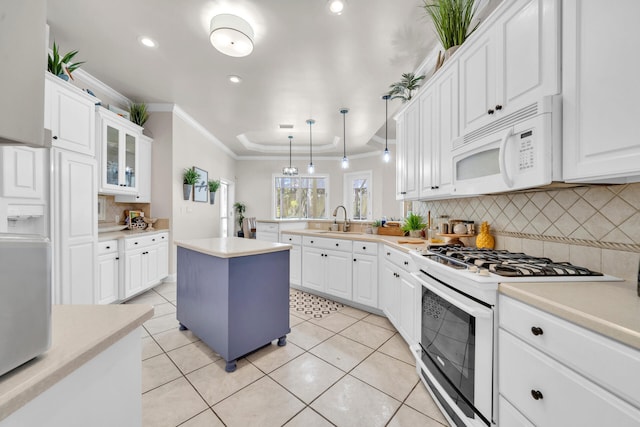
(347,225)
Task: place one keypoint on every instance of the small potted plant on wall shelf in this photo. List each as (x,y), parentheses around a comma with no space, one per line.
(213,187)
(190,178)
(413,224)
(62,66)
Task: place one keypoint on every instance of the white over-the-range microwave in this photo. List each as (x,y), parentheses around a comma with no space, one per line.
(518,151)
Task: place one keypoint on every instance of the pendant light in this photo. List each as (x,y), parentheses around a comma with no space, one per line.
(386,155)
(290,171)
(345,160)
(310,168)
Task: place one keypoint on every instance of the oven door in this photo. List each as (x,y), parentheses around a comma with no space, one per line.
(515,158)
(457,349)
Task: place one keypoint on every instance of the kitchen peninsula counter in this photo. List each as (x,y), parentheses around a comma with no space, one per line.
(233,293)
(609,308)
(81,335)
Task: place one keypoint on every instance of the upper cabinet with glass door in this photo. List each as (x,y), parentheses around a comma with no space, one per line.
(118,153)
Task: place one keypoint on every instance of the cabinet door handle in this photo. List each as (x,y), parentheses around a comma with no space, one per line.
(498,107)
(108,247)
(536,394)
(490,111)
(406,263)
(117,258)
(135,243)
(535,330)
(388,253)
(403,192)
(55,137)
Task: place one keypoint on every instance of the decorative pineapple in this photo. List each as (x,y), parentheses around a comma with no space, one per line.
(484,239)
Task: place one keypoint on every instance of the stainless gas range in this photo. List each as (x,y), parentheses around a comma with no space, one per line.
(455,357)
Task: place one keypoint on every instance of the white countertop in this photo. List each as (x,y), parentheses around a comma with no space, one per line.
(110,235)
(232,247)
(393,241)
(610,308)
(79,332)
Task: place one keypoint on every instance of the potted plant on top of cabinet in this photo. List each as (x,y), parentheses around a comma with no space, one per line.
(213,187)
(190,178)
(404,88)
(61,66)
(138,113)
(452,20)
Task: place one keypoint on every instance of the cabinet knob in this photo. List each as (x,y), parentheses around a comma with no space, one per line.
(137,197)
(289,238)
(162,237)
(337,244)
(55,137)
(536,394)
(498,107)
(117,258)
(108,247)
(490,111)
(153,240)
(354,260)
(403,192)
(312,241)
(364,248)
(406,263)
(535,330)
(388,253)
(135,243)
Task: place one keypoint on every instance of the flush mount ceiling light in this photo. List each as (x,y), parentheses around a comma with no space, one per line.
(386,155)
(345,160)
(147,41)
(290,170)
(231,35)
(310,168)
(235,79)
(336,6)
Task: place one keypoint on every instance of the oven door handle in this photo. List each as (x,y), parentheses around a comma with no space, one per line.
(503,158)
(478,313)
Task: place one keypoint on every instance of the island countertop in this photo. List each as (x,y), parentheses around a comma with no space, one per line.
(79,333)
(232,247)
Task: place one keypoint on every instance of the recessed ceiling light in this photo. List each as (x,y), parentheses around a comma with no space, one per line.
(235,79)
(147,41)
(337,6)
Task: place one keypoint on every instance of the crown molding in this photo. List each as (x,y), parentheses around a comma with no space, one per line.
(263,148)
(327,158)
(101,87)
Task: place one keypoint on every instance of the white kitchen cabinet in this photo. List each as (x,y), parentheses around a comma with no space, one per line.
(295,258)
(326,266)
(399,296)
(108,272)
(22,174)
(118,153)
(69,113)
(145,262)
(439,127)
(550,370)
(365,273)
(74,226)
(270,231)
(145,147)
(511,63)
(600,108)
(407,153)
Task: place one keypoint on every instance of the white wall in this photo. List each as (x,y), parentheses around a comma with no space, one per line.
(255,181)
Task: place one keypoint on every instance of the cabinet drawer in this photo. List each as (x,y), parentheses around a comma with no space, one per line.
(145,240)
(510,416)
(398,258)
(107,247)
(324,243)
(585,351)
(291,239)
(369,248)
(549,394)
(267,226)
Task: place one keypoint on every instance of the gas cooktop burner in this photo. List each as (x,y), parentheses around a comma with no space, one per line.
(511,264)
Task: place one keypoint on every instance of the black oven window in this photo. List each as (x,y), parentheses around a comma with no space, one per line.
(448,338)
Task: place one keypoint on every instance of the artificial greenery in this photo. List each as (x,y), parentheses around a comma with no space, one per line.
(138,113)
(240,209)
(404,88)
(452,19)
(190,176)
(60,66)
(377,223)
(413,222)
(213,185)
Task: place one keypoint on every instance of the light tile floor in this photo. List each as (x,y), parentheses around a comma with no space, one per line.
(350,368)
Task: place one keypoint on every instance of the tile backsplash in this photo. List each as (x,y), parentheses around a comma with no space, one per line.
(594,226)
(113,209)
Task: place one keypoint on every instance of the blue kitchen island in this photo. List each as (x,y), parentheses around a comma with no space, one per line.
(233,293)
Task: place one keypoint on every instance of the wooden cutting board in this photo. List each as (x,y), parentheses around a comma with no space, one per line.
(401,241)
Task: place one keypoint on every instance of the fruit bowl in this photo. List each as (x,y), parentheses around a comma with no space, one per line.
(150,222)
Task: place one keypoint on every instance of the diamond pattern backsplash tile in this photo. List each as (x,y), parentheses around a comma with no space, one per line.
(593,213)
